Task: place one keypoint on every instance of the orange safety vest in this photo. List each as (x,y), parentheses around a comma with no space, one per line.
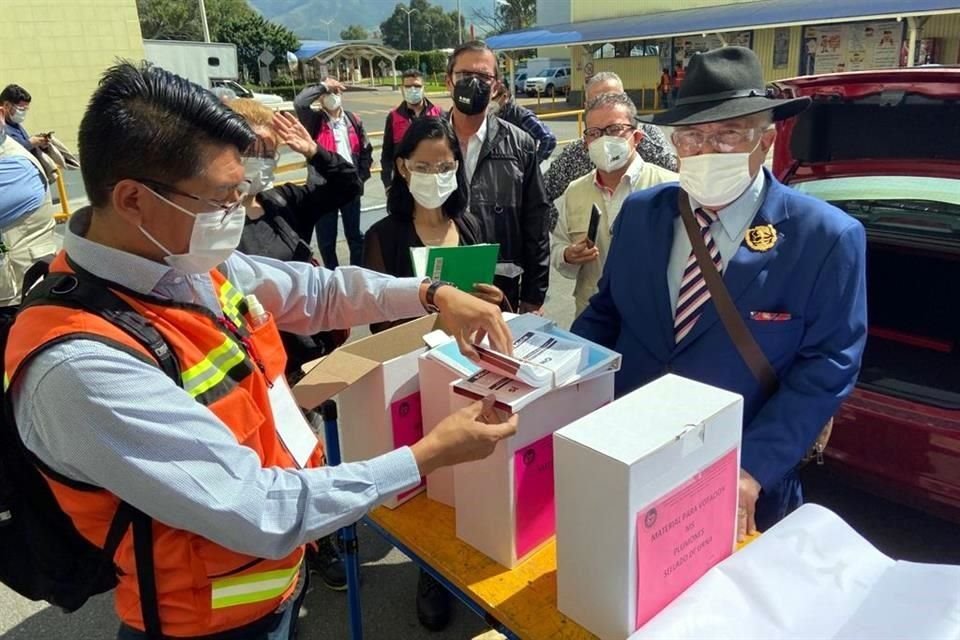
(202,588)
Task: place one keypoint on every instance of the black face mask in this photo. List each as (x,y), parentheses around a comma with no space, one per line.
(470,96)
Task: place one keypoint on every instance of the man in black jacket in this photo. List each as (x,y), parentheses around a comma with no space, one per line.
(338,131)
(507,197)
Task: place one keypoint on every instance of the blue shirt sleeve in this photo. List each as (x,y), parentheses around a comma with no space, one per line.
(21,189)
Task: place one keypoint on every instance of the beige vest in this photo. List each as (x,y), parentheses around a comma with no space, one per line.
(579,199)
(28,239)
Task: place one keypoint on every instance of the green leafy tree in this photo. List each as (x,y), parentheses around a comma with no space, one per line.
(430,27)
(229,21)
(512,16)
(354,32)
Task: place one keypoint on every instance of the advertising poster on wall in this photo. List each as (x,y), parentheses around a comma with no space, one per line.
(858,46)
(781,47)
(685,46)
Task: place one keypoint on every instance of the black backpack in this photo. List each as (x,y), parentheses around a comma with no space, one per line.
(42,555)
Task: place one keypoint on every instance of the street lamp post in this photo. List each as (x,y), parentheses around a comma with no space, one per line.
(459,23)
(203,22)
(409,33)
(327,23)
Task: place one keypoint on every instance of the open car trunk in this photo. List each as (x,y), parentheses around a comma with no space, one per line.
(912,350)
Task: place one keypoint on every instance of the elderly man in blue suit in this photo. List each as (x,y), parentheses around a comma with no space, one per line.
(793,265)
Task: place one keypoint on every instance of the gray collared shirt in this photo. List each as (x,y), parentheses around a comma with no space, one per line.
(101,416)
(728,232)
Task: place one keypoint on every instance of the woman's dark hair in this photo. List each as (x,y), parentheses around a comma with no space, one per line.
(399,200)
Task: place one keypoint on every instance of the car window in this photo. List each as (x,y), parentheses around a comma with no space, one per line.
(560,73)
(901,205)
(548,73)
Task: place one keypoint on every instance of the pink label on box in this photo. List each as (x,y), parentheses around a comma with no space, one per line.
(684,534)
(533,493)
(407,420)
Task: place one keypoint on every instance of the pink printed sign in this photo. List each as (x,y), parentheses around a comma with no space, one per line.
(535,513)
(684,534)
(407,420)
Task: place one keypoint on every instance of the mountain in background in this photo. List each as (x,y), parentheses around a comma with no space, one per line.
(303,16)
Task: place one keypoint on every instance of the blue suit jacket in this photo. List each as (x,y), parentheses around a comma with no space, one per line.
(815,273)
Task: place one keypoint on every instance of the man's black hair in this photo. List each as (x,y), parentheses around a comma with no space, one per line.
(146,123)
(411,73)
(15,93)
(472,45)
(399,199)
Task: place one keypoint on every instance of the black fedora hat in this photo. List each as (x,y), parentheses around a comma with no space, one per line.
(723,84)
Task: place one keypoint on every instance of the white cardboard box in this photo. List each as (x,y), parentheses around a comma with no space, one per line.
(437,377)
(491,516)
(377,386)
(650,479)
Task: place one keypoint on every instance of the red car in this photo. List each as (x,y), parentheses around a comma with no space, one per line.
(884,146)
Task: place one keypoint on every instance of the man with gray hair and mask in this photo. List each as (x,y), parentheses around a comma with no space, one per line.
(574,161)
(736,281)
(611,137)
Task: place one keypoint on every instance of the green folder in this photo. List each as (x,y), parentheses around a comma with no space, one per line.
(461,266)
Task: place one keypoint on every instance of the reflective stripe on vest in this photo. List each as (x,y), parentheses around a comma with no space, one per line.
(230,300)
(213,369)
(252,588)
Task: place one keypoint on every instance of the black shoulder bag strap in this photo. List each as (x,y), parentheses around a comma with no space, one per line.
(743,340)
(737,329)
(91,294)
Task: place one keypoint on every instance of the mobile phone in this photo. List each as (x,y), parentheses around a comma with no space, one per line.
(594,224)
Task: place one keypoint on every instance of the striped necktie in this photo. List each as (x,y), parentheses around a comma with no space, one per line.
(694,293)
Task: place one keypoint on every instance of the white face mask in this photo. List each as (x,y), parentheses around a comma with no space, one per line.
(212,240)
(18,115)
(413,95)
(716,179)
(331,101)
(610,153)
(259,171)
(431,190)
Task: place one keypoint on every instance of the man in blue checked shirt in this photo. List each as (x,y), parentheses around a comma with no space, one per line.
(507,109)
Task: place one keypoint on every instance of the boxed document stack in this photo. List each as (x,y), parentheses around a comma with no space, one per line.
(505,504)
(378,388)
(646,498)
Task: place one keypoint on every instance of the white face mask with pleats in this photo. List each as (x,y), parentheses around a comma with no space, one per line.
(716,179)
(215,236)
(431,190)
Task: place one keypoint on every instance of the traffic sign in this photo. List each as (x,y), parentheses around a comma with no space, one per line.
(266,58)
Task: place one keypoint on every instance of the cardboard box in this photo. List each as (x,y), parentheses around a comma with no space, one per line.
(505,503)
(437,377)
(646,493)
(377,386)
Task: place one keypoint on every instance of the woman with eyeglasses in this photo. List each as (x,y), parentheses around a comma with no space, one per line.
(274,214)
(425,205)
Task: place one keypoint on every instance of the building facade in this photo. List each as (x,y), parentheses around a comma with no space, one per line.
(57,50)
(791,37)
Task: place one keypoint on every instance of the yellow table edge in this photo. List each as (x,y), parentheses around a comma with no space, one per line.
(523,599)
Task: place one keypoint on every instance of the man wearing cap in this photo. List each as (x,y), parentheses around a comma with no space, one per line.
(792,265)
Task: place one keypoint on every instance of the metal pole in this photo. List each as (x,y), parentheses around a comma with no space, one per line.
(203,21)
(409,36)
(459,23)
(348,535)
(912,41)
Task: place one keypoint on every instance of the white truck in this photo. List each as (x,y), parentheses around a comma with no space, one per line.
(209,64)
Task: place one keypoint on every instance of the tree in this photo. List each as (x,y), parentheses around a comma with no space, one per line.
(511,15)
(229,20)
(430,27)
(354,32)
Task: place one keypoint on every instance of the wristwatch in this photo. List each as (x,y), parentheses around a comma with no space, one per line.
(430,305)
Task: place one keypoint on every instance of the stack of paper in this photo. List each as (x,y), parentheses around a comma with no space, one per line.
(539,359)
(812,576)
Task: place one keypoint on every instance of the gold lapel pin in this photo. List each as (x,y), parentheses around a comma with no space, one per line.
(761,238)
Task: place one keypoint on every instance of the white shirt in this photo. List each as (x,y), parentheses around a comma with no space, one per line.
(341,133)
(473,150)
